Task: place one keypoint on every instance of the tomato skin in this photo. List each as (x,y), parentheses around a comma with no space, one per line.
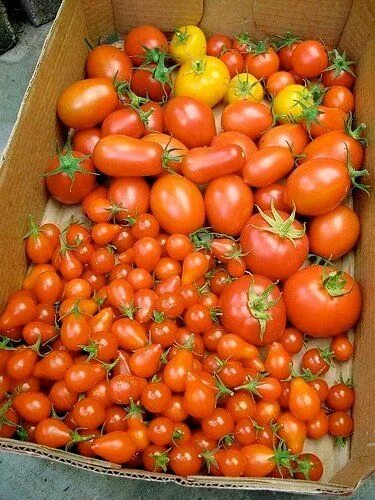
(144,362)
(335,233)
(190,121)
(285,55)
(236,138)
(32,406)
(234,62)
(342,347)
(278,362)
(122,156)
(267,166)
(144,84)
(176,370)
(291,340)
(249,118)
(133,195)
(141,38)
(340,424)
(343,78)
(327,120)
(86,103)
(339,97)
(177,204)
(205,78)
(317,427)
(340,397)
(229,204)
(106,61)
(259,461)
(52,432)
(82,377)
(318,186)
(19,311)
(217,44)
(89,413)
(61,397)
(304,292)
(264,196)
(315,467)
(202,165)
(278,81)
(269,254)
(291,135)
(262,65)
(304,402)
(293,432)
(116,446)
(244,87)
(53,366)
(309,58)
(336,145)
(185,460)
(199,400)
(124,122)
(237,318)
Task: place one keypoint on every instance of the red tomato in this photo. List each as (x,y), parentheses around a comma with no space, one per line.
(290,135)
(132,194)
(201,165)
(190,121)
(335,233)
(317,427)
(259,461)
(291,340)
(339,97)
(199,400)
(309,467)
(120,156)
(340,397)
(177,204)
(185,460)
(342,348)
(278,81)
(292,431)
(249,118)
(116,447)
(273,193)
(106,61)
(174,150)
(229,204)
(149,82)
(275,244)
(233,61)
(143,42)
(86,103)
(267,166)
(309,58)
(326,120)
(318,186)
(340,71)
(262,63)
(124,121)
(278,362)
(241,302)
(238,139)
(217,44)
(304,402)
(316,291)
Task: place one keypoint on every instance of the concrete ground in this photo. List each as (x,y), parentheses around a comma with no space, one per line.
(24,477)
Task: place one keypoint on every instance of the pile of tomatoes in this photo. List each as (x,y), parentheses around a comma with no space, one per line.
(159,331)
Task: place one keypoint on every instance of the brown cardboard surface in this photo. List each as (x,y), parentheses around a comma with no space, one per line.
(34,140)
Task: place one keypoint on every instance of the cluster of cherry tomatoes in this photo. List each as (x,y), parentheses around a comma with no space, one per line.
(159,331)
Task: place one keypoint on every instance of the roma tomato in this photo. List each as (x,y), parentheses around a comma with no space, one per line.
(107,61)
(318,186)
(289,135)
(241,303)
(121,156)
(229,204)
(309,59)
(274,243)
(267,166)
(177,204)
(205,78)
(143,43)
(202,165)
(190,121)
(335,233)
(86,103)
(249,118)
(331,295)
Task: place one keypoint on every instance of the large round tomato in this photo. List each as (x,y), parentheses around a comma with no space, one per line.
(253,308)
(289,135)
(142,43)
(190,121)
(205,78)
(336,145)
(318,186)
(244,86)
(333,234)
(322,301)
(290,103)
(249,118)
(309,58)
(229,204)
(120,155)
(106,61)
(276,254)
(86,103)
(177,204)
(187,42)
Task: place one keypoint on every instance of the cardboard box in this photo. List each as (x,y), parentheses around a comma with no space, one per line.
(347,24)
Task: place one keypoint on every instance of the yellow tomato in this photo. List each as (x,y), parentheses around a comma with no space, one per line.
(244,87)
(187,42)
(290,102)
(205,78)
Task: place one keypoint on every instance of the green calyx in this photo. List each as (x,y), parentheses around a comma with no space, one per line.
(305,374)
(169,156)
(3,410)
(303,466)
(161,460)
(127,96)
(339,63)
(181,36)
(77,438)
(215,313)
(158,317)
(283,457)
(258,48)
(91,349)
(198,66)
(209,458)
(282,228)
(6,344)
(259,306)
(134,410)
(34,229)
(317,90)
(223,390)
(355,132)
(334,282)
(252,384)
(203,238)
(129,311)
(244,88)
(243,39)
(69,164)
(287,40)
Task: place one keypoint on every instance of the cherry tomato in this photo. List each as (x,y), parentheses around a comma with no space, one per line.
(116,446)
(185,460)
(340,397)
(339,97)
(278,81)
(262,64)
(292,431)
(342,348)
(233,61)
(309,59)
